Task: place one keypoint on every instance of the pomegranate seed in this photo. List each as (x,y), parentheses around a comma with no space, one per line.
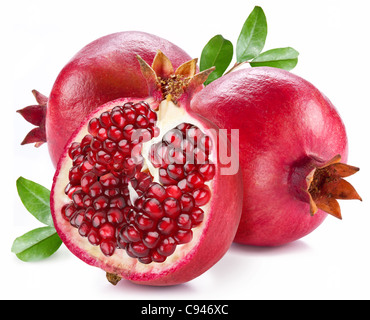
(188,149)
(73,149)
(68,210)
(115,216)
(91,158)
(184,221)
(94,126)
(122,236)
(167,246)
(173,138)
(109,146)
(98,219)
(72,190)
(117,202)
(96,189)
(86,140)
(117,118)
(107,247)
(144,181)
(145,260)
(128,105)
(128,131)
(85,166)
(93,237)
(164,178)
(124,147)
(183,185)
(151,239)
(143,222)
(142,108)
(176,156)
(202,196)
(112,192)
(87,180)
(103,157)
(166,226)
(205,143)
(194,180)
(157,191)
(139,249)
(152,116)
(89,213)
(197,216)
(84,229)
(187,202)
(102,134)
(156,257)
(115,133)
(142,121)
(121,243)
(153,208)
(78,159)
(183,236)
(107,231)
(129,115)
(207,170)
(74,175)
(105,119)
(87,201)
(194,135)
(174,192)
(100,169)
(118,157)
(162,154)
(95,144)
(77,218)
(200,156)
(189,167)
(171,207)
(77,198)
(109,180)
(101,202)
(176,171)
(132,233)
(139,203)
(183,127)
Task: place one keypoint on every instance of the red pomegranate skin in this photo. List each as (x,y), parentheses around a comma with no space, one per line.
(287,127)
(104,70)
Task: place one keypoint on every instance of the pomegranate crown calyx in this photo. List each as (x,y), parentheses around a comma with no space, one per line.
(164,82)
(36,114)
(326,185)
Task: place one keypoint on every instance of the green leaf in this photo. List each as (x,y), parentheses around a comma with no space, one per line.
(283,58)
(37,244)
(218,52)
(36,199)
(253,36)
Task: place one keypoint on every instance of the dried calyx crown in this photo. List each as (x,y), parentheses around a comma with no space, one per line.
(166,83)
(325,185)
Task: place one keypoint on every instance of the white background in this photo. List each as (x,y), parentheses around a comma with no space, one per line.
(39,37)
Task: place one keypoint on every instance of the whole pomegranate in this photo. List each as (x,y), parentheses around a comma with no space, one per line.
(104,70)
(139,190)
(292,140)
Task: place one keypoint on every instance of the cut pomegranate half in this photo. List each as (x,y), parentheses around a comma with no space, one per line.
(140,190)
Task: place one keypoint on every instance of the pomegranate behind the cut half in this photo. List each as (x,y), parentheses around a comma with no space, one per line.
(104,70)
(140,191)
(292,140)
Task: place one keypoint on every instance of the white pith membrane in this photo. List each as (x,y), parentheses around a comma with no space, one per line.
(169,116)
